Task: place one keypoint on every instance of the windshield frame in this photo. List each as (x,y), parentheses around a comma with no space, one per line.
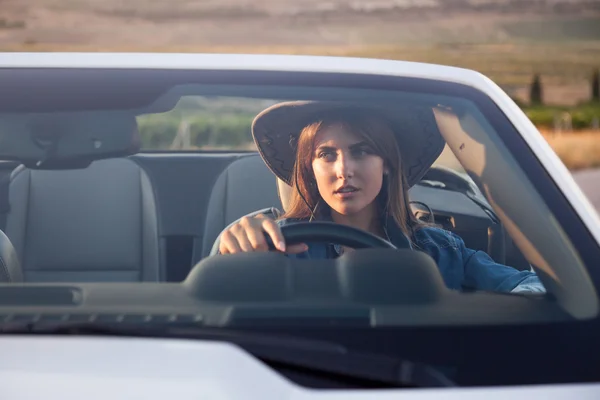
(111,85)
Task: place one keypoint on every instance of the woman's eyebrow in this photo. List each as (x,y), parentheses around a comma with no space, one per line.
(358,145)
(325,148)
(354,146)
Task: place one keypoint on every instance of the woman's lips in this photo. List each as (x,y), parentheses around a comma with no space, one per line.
(346,192)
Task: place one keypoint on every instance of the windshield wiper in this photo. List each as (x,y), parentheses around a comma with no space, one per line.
(306,356)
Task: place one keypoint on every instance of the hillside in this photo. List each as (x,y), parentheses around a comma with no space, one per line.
(508,40)
(290,22)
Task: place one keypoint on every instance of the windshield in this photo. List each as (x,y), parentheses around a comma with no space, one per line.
(199,123)
(405,199)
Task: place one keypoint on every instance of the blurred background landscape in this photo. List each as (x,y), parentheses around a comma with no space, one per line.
(544,53)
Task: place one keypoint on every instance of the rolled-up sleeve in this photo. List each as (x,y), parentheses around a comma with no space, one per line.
(465,268)
(483,273)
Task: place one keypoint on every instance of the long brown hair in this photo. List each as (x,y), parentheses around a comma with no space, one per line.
(393,198)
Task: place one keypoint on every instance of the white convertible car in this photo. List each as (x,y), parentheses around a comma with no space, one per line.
(120,171)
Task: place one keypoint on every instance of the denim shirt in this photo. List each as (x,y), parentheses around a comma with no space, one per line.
(461,268)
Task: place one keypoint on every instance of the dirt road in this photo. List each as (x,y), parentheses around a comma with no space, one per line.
(589,181)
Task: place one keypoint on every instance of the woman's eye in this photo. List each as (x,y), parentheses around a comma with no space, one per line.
(360,152)
(325,154)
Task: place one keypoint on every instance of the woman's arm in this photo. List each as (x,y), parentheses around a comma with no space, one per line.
(481,272)
(462,267)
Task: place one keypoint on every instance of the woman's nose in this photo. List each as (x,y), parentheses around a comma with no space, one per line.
(344,167)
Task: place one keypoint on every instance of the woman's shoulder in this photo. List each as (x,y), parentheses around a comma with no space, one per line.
(431,235)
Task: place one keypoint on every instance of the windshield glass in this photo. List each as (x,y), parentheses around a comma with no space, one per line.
(198,123)
(398,193)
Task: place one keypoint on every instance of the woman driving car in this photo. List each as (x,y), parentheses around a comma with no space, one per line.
(353,165)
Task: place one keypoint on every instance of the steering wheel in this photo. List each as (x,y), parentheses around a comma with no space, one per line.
(329,232)
(326,232)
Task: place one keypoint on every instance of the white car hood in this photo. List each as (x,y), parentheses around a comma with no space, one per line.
(45,367)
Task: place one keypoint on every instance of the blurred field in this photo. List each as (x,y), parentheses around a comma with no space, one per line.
(508,40)
(578,150)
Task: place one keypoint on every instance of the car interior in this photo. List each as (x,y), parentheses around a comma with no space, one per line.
(80,203)
(160,214)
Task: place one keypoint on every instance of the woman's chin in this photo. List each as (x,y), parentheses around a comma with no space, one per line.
(347,209)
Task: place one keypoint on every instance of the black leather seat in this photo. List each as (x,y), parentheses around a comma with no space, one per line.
(97,224)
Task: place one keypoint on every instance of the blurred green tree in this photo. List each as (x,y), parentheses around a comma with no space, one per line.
(535,91)
(596,86)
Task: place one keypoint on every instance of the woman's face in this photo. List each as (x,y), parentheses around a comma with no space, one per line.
(348,173)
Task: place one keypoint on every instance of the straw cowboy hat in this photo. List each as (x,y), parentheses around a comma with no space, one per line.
(276,130)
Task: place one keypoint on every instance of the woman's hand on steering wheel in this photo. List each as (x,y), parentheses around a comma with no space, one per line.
(248,235)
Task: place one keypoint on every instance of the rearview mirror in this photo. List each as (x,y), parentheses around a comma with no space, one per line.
(67,140)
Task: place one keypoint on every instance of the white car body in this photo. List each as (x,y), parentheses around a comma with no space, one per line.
(89,368)
(68,367)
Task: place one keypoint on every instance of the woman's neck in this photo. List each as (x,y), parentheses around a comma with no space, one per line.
(367,220)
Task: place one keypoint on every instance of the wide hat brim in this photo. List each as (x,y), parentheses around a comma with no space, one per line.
(276,130)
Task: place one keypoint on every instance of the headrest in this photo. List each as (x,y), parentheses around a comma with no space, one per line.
(69,140)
